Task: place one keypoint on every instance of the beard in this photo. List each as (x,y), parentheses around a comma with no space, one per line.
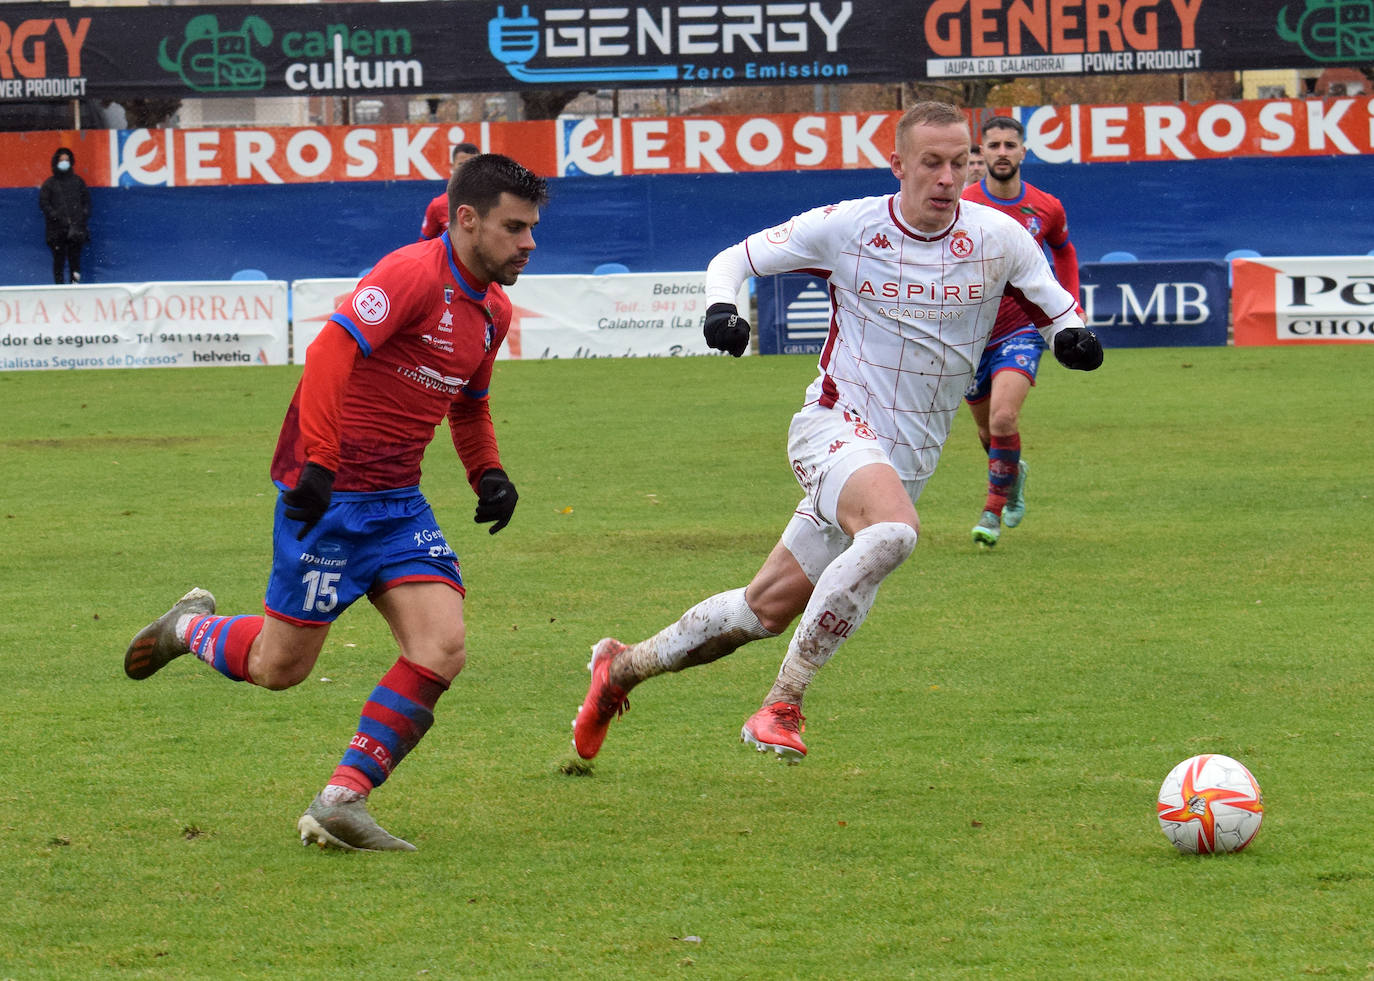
(1004,171)
(494,268)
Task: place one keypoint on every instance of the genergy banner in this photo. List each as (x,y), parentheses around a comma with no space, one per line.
(1303,300)
(142,325)
(56,51)
(680,145)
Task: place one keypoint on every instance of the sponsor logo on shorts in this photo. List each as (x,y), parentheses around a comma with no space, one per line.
(310,558)
(837,444)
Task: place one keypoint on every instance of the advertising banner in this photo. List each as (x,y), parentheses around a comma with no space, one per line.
(629,315)
(140,325)
(680,145)
(54,51)
(312,303)
(1155,304)
(794,313)
(1138,304)
(1303,300)
(624,315)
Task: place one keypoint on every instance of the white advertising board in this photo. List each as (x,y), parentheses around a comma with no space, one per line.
(622,315)
(630,315)
(139,325)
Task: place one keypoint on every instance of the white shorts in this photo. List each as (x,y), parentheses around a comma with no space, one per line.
(826,447)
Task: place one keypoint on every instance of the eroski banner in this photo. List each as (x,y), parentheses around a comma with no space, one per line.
(142,325)
(56,51)
(681,145)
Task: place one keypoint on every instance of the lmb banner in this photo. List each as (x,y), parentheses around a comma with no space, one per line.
(1156,304)
(1131,304)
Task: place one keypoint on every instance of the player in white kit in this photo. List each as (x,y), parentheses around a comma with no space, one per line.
(915,280)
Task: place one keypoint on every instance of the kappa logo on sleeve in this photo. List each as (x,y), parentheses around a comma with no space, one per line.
(371,305)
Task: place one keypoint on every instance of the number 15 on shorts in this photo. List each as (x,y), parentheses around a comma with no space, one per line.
(321,592)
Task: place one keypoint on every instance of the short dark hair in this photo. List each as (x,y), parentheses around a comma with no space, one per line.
(1003,122)
(458,148)
(482,180)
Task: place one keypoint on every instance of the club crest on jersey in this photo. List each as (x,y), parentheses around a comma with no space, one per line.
(961,244)
(448,294)
(488,336)
(1033,225)
(371,304)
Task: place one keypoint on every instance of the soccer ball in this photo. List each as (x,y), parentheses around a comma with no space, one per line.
(1210,803)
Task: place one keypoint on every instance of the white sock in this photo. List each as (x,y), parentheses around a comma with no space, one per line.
(707,632)
(843,596)
(334,794)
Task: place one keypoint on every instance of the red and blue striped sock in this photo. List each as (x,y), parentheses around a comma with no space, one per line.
(1004,458)
(224,642)
(397,715)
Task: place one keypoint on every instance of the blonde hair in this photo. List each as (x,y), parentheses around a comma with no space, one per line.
(929,114)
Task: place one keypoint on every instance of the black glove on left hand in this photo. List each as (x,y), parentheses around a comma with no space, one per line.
(309,499)
(496,499)
(1079,348)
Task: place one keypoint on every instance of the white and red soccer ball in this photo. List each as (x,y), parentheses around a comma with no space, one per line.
(1210,803)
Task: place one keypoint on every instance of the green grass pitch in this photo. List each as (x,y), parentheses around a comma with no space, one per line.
(1193,575)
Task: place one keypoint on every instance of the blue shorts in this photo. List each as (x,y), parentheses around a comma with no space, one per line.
(364,544)
(1015,352)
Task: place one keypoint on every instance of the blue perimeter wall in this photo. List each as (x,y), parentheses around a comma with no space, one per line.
(1158,211)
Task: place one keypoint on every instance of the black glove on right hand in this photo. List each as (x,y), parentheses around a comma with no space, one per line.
(725,329)
(496,499)
(309,499)
(1079,348)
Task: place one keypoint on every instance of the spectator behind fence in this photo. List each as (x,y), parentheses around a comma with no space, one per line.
(66,205)
(435,222)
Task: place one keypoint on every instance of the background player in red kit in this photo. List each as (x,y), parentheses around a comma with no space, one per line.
(1010,362)
(415,343)
(977,166)
(435,221)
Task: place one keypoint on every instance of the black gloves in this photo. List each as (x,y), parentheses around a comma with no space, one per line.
(496,499)
(308,500)
(1078,347)
(725,329)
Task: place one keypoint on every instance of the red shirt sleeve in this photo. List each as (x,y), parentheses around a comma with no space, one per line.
(436,218)
(1066,267)
(327,367)
(474,436)
(469,417)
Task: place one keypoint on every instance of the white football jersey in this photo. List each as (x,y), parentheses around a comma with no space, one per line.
(910,312)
